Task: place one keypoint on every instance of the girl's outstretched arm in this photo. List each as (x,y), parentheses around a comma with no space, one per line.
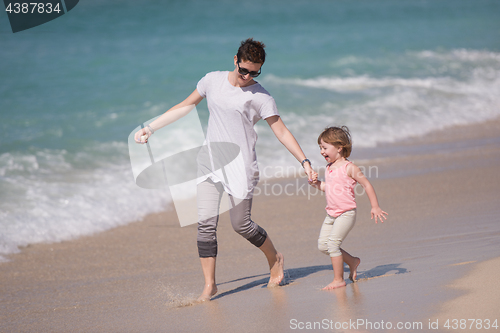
(288,140)
(355,173)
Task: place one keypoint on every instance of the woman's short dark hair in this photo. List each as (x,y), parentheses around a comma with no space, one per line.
(251,50)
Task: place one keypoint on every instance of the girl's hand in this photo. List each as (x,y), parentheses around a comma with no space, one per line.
(378,213)
(311,174)
(314,178)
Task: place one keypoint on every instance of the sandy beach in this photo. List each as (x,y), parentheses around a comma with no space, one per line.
(435,258)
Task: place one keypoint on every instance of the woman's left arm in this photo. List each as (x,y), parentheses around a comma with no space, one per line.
(288,140)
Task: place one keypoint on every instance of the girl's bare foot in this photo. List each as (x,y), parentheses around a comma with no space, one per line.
(335,285)
(208,292)
(277,273)
(353,270)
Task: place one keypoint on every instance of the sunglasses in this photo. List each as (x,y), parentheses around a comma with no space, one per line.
(244,71)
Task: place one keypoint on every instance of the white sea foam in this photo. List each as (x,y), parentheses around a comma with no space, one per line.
(51,196)
(461,55)
(387,109)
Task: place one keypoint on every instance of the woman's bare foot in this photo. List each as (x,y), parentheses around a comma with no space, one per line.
(353,271)
(335,285)
(208,292)
(277,273)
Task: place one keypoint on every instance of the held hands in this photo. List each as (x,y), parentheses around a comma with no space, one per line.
(142,135)
(378,213)
(314,180)
(312,176)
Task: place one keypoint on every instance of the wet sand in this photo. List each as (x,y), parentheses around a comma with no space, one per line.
(443,231)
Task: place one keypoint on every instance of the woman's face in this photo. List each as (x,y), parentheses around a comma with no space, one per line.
(246,67)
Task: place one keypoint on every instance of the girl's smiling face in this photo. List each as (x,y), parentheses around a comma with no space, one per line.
(330,152)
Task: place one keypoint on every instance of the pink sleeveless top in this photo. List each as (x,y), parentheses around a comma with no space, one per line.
(339,191)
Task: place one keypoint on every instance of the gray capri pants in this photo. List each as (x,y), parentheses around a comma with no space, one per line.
(334,230)
(209,196)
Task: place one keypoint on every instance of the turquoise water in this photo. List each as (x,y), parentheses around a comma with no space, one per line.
(73,89)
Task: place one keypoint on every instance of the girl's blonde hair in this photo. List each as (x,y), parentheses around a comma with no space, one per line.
(339,137)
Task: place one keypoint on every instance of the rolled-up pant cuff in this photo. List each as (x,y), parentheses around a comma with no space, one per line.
(259,238)
(207,249)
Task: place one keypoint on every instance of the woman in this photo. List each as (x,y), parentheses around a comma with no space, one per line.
(235,102)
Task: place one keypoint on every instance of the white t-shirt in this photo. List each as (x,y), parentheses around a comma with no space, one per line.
(233,113)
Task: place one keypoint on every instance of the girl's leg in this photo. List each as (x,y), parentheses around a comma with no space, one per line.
(338,269)
(324,234)
(338,273)
(209,195)
(243,225)
(353,263)
(341,227)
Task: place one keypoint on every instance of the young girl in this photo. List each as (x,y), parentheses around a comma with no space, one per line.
(341,176)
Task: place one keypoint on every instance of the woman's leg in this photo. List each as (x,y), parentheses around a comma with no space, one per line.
(276,263)
(209,195)
(243,225)
(210,288)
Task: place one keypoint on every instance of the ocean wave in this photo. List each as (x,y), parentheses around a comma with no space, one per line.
(387,109)
(461,55)
(52,195)
(364,82)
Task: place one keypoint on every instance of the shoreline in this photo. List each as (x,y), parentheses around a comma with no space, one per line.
(136,277)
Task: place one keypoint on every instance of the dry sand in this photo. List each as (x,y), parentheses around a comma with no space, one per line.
(479,306)
(442,197)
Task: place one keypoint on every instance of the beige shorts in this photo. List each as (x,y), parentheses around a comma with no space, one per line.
(334,230)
